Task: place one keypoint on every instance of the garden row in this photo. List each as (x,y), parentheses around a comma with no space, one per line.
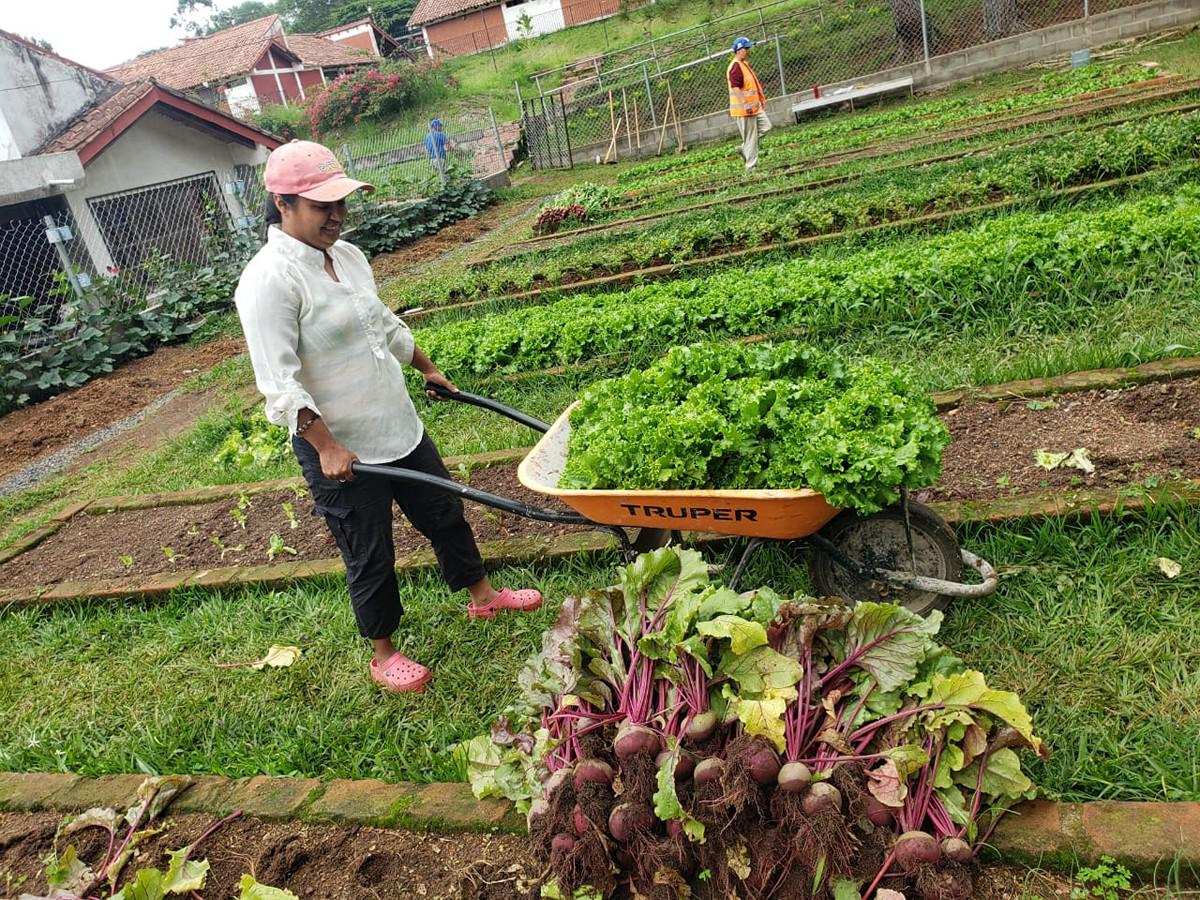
(889,197)
(1029,271)
(606,212)
(847,132)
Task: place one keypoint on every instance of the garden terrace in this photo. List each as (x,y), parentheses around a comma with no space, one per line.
(890,197)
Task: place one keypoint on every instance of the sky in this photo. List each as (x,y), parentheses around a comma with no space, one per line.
(97,33)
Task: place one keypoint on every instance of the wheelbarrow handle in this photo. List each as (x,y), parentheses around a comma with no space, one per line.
(411,476)
(487,403)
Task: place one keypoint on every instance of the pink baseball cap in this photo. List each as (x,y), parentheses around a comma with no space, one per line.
(310,170)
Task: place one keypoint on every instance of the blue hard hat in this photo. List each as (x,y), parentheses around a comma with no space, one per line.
(742,43)
(436,123)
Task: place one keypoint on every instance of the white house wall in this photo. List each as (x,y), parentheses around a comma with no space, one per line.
(153,150)
(39,94)
(545,16)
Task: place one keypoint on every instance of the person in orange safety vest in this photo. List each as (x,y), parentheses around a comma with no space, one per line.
(747,101)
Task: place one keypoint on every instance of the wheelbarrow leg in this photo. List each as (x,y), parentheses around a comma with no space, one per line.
(627,549)
(751,547)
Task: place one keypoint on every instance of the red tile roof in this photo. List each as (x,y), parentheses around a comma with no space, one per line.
(435,10)
(92,131)
(215,58)
(314,50)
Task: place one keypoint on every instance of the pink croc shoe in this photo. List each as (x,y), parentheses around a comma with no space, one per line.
(524,600)
(400,674)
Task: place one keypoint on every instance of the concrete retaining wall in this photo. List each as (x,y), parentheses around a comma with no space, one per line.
(1010,53)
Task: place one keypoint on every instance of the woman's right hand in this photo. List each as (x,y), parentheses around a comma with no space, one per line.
(336,461)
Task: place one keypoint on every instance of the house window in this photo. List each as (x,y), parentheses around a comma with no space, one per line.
(179,219)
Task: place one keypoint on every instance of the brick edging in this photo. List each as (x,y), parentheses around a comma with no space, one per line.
(1146,837)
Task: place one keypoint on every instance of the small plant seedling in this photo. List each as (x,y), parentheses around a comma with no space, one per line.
(239,517)
(277,546)
(1041,404)
(1004,481)
(244,501)
(1102,881)
(291,515)
(1076,481)
(171,555)
(194,530)
(463,471)
(1196,433)
(300,491)
(127,562)
(220,545)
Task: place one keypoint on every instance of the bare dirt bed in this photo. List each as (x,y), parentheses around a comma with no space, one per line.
(148,541)
(1132,435)
(333,862)
(400,262)
(37,430)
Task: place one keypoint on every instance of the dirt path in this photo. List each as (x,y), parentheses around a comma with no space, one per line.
(37,432)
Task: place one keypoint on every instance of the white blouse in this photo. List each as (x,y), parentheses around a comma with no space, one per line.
(330,346)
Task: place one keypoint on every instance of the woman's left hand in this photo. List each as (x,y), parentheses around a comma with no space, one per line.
(441,380)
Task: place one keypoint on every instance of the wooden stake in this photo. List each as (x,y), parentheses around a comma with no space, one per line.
(612,145)
(679,148)
(637,122)
(612,124)
(628,135)
(666,123)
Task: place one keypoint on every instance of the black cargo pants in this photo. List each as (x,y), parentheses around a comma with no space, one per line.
(359,515)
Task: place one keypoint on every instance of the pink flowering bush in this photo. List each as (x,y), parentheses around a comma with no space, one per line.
(367,94)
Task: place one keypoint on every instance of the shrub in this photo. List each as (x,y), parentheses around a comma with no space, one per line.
(286,122)
(369,94)
(384,227)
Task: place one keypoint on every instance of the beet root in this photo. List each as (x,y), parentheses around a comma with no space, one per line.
(748,760)
(916,848)
(587,862)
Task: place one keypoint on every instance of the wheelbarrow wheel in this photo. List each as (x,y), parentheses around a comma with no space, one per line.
(878,541)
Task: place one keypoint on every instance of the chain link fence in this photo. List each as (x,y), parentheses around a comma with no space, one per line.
(638,94)
(398,161)
(118,249)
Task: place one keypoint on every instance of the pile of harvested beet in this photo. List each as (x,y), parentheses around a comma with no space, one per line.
(678,739)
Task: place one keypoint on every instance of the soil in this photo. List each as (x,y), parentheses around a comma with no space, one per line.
(387,266)
(35,431)
(136,542)
(1144,434)
(337,862)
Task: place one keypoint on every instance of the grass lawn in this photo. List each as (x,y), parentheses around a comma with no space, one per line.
(1099,645)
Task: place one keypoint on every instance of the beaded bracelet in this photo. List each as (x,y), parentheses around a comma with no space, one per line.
(300,429)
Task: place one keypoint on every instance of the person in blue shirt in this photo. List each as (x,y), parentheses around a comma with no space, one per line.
(437,145)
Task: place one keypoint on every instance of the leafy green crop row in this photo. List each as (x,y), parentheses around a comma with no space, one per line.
(850,132)
(735,416)
(713,190)
(1035,272)
(888,197)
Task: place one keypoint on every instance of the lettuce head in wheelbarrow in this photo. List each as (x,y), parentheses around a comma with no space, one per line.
(764,416)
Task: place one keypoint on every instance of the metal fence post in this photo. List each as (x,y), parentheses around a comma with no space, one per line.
(349,160)
(821,10)
(779,60)
(649,97)
(1085,9)
(499,140)
(925,35)
(56,238)
(520,99)
(762,23)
